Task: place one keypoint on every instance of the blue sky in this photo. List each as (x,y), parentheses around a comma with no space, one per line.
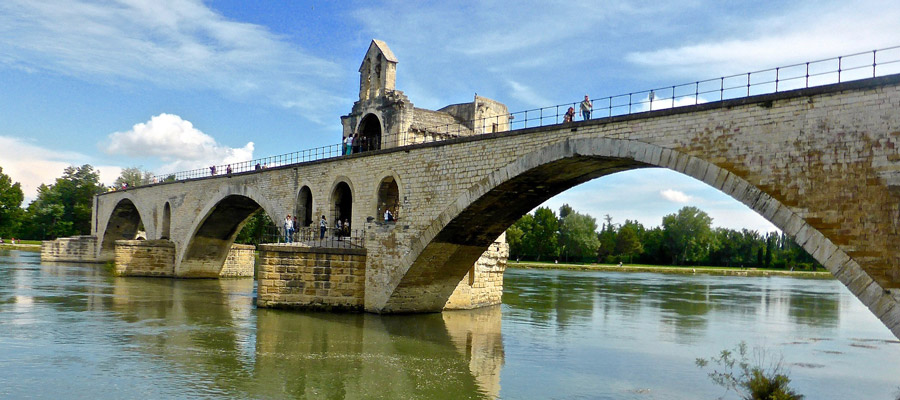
(173,85)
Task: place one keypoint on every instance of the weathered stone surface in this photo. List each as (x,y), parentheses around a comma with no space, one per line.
(815,162)
(314,278)
(70,249)
(145,258)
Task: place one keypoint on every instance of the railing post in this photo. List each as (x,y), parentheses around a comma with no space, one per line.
(722,89)
(839,69)
(629,103)
(748,84)
(807,75)
(776,79)
(874,62)
(697,93)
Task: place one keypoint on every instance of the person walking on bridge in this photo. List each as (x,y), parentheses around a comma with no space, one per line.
(323,225)
(288,229)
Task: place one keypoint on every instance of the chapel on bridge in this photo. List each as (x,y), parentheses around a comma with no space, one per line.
(383,117)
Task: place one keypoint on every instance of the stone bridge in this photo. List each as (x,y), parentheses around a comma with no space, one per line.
(821,164)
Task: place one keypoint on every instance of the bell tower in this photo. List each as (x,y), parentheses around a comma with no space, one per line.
(378,72)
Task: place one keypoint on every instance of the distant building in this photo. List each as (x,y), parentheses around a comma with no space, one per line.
(384,117)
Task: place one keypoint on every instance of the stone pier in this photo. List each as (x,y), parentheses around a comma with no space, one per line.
(314,278)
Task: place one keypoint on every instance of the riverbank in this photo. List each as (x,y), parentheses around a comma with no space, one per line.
(20,246)
(724,271)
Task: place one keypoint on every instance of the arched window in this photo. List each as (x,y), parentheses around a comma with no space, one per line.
(388,197)
(166,222)
(304,207)
(341,203)
(369,133)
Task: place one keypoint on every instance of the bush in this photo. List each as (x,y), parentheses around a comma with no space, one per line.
(764,380)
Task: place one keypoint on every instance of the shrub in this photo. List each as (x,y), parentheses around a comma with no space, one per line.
(765,379)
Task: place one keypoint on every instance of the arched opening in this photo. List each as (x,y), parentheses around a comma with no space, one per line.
(207,249)
(341,203)
(123,224)
(166,222)
(304,207)
(388,197)
(369,133)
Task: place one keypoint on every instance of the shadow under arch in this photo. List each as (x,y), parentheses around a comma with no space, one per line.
(441,256)
(215,230)
(123,224)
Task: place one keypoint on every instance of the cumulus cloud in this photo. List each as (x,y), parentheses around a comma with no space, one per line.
(174,141)
(33,165)
(675,196)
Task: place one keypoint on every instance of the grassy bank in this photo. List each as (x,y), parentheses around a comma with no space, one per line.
(671,269)
(25,245)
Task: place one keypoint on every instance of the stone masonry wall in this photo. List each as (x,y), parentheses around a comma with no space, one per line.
(145,258)
(293,276)
(70,249)
(240,261)
(820,163)
(485,288)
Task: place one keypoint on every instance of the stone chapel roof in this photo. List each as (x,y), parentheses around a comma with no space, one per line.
(385,50)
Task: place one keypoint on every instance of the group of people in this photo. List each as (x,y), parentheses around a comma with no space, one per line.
(355,143)
(11,241)
(341,228)
(228,170)
(290,227)
(586,108)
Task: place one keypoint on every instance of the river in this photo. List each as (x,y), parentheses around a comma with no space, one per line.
(73,331)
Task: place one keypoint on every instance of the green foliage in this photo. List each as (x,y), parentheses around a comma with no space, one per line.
(578,236)
(11,212)
(64,208)
(133,177)
(760,378)
(257,226)
(688,235)
(685,237)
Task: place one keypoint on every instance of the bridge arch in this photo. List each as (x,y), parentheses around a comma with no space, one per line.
(166,223)
(370,131)
(387,195)
(304,206)
(341,200)
(442,255)
(202,254)
(122,224)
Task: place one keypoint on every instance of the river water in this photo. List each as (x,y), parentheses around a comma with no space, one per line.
(72,331)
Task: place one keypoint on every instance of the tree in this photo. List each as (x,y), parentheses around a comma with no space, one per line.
(256,228)
(688,235)
(11,212)
(518,237)
(578,236)
(543,238)
(133,177)
(607,240)
(64,208)
(628,242)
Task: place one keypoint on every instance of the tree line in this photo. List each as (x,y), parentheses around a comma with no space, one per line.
(687,237)
(684,238)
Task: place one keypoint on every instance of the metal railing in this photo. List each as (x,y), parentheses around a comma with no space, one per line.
(314,237)
(856,66)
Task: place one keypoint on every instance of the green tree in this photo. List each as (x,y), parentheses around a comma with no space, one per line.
(578,236)
(64,208)
(628,242)
(256,228)
(543,238)
(607,239)
(688,235)
(133,177)
(11,212)
(518,237)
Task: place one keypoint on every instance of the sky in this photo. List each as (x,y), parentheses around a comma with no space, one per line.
(172,85)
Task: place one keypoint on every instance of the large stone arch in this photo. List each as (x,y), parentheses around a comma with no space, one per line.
(122,223)
(202,254)
(440,257)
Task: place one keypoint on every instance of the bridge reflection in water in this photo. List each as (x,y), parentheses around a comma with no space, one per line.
(210,328)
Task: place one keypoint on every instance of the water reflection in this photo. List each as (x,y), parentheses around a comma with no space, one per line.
(75,332)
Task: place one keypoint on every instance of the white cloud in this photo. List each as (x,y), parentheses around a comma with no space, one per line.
(180,44)
(527,95)
(675,196)
(176,142)
(33,165)
(805,31)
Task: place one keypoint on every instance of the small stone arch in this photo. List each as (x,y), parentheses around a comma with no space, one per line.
(387,197)
(166,222)
(341,202)
(304,207)
(123,224)
(370,132)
